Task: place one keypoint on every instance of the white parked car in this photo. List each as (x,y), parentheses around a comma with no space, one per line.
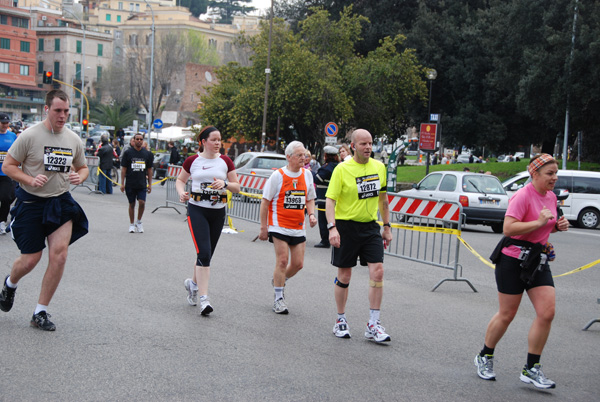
(482,197)
(582,207)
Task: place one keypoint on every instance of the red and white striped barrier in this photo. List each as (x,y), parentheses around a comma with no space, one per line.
(424,208)
(252,181)
(173,171)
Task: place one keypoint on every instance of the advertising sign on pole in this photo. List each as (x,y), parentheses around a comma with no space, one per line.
(427,137)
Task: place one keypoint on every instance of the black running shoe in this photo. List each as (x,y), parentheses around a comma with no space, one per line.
(7,297)
(41,321)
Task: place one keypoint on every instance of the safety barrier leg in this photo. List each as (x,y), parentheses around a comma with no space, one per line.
(589,324)
(455,279)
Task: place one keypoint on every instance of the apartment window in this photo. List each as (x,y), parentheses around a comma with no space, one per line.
(120,5)
(100,46)
(78,72)
(118,34)
(5,43)
(25,46)
(3,67)
(57,46)
(79,46)
(41,45)
(20,22)
(99,73)
(137,8)
(227,46)
(212,43)
(57,69)
(118,18)
(133,40)
(130,6)
(23,70)
(3,19)
(107,17)
(40,67)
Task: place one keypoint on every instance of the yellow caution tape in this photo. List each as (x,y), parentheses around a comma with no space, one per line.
(591,264)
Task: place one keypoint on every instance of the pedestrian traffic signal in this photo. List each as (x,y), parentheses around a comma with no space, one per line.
(84,123)
(47,79)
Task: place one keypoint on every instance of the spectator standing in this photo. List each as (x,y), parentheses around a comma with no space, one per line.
(286,194)
(45,160)
(136,180)
(321,178)
(212,175)
(345,153)
(106,153)
(355,195)
(174,158)
(7,186)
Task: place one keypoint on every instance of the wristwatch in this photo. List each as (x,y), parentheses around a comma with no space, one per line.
(330,226)
(387,224)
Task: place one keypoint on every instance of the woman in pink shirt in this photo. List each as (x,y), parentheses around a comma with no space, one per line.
(531,216)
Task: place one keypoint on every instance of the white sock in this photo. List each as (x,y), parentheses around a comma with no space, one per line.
(40,307)
(193,285)
(10,284)
(374,317)
(343,315)
(278,293)
(203,297)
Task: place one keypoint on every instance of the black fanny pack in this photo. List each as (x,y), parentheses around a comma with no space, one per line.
(532,257)
(214,198)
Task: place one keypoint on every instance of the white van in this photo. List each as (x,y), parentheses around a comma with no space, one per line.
(582,207)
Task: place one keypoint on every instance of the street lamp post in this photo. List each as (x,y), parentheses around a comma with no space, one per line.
(150,119)
(431,75)
(267,73)
(82,62)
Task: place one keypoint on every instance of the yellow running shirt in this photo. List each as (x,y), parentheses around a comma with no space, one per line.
(356,187)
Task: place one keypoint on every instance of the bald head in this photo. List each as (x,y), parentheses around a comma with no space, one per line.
(362,143)
(360,133)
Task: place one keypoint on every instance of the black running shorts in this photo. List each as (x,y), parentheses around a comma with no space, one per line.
(508,280)
(357,240)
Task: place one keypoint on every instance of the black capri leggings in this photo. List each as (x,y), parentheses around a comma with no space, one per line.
(205,225)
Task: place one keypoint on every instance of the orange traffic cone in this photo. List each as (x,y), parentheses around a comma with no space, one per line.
(420,158)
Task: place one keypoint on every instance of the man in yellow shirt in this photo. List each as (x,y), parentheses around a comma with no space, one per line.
(356,193)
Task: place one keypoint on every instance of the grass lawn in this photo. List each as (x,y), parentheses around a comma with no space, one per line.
(414,174)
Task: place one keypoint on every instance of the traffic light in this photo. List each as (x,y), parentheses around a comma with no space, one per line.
(84,123)
(47,79)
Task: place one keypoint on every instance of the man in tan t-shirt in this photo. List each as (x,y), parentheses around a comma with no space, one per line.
(51,159)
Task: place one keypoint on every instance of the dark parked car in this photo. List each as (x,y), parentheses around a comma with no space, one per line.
(160,166)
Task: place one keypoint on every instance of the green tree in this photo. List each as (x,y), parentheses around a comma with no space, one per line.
(196,7)
(115,114)
(226,9)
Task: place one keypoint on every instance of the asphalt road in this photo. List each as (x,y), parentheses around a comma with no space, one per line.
(126,333)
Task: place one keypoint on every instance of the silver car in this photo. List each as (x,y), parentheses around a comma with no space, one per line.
(482,197)
(259,163)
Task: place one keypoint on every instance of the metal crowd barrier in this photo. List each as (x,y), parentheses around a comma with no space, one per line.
(246,204)
(426,231)
(93,163)
(172,198)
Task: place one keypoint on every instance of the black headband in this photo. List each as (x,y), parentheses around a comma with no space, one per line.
(206,132)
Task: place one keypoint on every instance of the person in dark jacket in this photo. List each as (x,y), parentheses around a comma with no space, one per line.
(106,153)
(321,179)
(174,159)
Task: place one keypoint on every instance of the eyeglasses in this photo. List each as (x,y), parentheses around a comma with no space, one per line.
(139,139)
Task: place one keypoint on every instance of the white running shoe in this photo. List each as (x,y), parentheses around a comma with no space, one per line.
(279,306)
(341,329)
(192,296)
(132,228)
(536,377)
(205,307)
(139,227)
(377,333)
(485,367)
(2,228)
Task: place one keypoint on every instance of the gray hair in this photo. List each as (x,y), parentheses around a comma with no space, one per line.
(289,150)
(104,139)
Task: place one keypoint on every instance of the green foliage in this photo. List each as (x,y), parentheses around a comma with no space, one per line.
(116,115)
(316,77)
(196,7)
(226,9)
(199,51)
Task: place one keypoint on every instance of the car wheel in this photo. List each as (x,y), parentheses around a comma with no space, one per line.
(588,218)
(498,227)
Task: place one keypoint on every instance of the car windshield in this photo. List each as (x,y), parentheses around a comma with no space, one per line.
(270,163)
(482,184)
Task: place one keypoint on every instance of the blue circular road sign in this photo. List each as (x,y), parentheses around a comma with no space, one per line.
(158,123)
